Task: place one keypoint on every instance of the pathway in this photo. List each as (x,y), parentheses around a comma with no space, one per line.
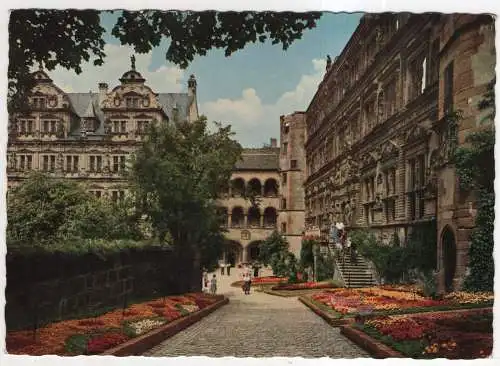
(258,325)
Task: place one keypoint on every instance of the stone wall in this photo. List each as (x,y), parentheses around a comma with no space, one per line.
(54,287)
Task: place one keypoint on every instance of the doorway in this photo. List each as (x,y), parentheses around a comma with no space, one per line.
(449,257)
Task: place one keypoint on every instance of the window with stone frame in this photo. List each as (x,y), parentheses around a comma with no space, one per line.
(142,126)
(95,163)
(417,70)
(39,102)
(283,203)
(283,227)
(390,210)
(25,162)
(25,126)
(369,115)
(48,163)
(448,89)
(390,93)
(284,178)
(119,126)
(118,163)
(132,102)
(72,163)
(434,61)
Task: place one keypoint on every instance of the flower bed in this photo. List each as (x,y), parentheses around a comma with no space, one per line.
(304,286)
(453,335)
(96,335)
(268,280)
(374,300)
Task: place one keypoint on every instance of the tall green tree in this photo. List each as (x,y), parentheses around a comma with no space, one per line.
(176,177)
(69,37)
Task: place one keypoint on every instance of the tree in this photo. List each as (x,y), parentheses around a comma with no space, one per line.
(475,164)
(44,210)
(175,177)
(274,252)
(68,37)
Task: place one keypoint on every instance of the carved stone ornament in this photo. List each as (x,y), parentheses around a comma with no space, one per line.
(117,101)
(53,101)
(146,101)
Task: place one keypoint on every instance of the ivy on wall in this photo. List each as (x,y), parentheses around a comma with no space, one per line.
(475,164)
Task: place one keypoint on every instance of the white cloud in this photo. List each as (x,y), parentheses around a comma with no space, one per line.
(117,62)
(256,122)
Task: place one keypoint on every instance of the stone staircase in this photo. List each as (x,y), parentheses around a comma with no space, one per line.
(355,271)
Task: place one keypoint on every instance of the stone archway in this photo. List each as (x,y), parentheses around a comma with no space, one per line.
(233,252)
(449,247)
(253,250)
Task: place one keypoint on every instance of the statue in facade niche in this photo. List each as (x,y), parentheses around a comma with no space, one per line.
(348,213)
(132,62)
(328,62)
(390,183)
(60,162)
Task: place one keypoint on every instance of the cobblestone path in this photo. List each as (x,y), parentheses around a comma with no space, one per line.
(259,325)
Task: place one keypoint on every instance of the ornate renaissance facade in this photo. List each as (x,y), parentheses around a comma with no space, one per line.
(379,137)
(88,136)
(250,221)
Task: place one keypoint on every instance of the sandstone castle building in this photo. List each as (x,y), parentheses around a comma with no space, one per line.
(379,139)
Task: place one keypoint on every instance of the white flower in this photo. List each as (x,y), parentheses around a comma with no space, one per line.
(145,325)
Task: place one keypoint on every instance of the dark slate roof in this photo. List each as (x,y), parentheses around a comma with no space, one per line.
(180,100)
(259,159)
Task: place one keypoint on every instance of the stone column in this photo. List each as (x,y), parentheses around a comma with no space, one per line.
(245,254)
(261,220)
(229,220)
(245,221)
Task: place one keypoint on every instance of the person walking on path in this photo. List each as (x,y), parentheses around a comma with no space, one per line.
(222,266)
(205,281)
(228,269)
(213,285)
(247,281)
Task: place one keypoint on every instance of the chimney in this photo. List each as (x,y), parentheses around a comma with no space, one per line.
(103,90)
(274,142)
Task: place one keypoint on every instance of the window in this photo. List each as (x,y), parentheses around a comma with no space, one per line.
(285,148)
(448,89)
(283,227)
(117,196)
(39,102)
(72,163)
(22,162)
(46,125)
(434,61)
(118,163)
(45,162)
(293,164)
(25,126)
(424,74)
(123,126)
(98,194)
(53,126)
(132,102)
(52,163)
(95,163)
(142,126)
(283,203)
(284,178)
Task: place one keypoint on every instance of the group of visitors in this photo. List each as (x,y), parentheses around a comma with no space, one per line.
(210,284)
(225,266)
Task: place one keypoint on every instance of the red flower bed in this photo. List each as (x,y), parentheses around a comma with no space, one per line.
(270,279)
(303,286)
(104,342)
(93,335)
(453,335)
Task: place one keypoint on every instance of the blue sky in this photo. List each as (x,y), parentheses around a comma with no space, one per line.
(248,90)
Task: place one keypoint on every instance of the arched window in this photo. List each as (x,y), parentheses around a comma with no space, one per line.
(271,188)
(270,217)
(238,187)
(237,217)
(253,217)
(254,187)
